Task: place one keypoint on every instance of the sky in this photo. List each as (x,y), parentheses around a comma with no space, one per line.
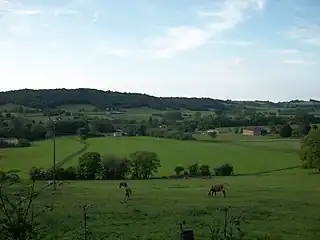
(225,49)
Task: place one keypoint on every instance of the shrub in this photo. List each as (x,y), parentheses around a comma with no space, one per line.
(286,131)
(194,169)
(23,143)
(178,169)
(224,170)
(205,170)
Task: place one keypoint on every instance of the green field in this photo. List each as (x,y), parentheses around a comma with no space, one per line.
(40,154)
(278,204)
(246,156)
(281,206)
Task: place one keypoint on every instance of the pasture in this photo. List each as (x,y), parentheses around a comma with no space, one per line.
(247,157)
(40,154)
(277,203)
(277,206)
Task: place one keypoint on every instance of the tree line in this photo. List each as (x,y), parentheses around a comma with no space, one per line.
(139,165)
(170,125)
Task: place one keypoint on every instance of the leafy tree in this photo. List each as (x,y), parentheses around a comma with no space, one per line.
(310,150)
(224,170)
(115,167)
(178,169)
(205,170)
(144,164)
(194,169)
(89,163)
(173,116)
(304,129)
(286,131)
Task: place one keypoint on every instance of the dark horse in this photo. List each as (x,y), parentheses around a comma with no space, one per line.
(123,184)
(217,188)
(128,191)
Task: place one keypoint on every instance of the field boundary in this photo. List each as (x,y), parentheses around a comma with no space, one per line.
(241,143)
(268,171)
(71,156)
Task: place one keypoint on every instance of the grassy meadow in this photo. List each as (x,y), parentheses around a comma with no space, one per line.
(40,154)
(277,204)
(247,157)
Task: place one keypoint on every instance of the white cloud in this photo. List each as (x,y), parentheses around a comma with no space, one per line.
(66,12)
(308,34)
(287,51)
(26,12)
(109,49)
(183,38)
(121,52)
(298,62)
(238,43)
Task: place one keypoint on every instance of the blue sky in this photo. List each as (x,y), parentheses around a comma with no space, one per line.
(227,49)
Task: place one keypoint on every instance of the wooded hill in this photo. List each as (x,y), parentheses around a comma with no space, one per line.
(51,98)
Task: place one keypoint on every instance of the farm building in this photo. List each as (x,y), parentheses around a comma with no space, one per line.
(12,141)
(253,131)
(212,130)
(119,133)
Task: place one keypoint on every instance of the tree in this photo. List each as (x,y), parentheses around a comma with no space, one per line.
(224,170)
(304,129)
(310,150)
(286,131)
(205,170)
(144,164)
(194,169)
(115,167)
(178,169)
(89,163)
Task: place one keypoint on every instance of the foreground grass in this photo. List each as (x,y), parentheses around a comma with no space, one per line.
(38,155)
(245,158)
(282,206)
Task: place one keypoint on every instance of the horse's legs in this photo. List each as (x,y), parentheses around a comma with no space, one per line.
(215,193)
(224,193)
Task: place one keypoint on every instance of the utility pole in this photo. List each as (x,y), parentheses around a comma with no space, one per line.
(54,154)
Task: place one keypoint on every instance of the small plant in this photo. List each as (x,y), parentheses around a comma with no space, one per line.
(230,229)
(19,219)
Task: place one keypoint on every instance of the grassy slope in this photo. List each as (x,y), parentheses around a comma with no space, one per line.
(284,206)
(245,158)
(39,155)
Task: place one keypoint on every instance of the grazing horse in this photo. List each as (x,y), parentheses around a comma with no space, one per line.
(217,188)
(128,190)
(123,184)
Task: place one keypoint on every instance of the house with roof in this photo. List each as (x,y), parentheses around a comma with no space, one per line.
(253,131)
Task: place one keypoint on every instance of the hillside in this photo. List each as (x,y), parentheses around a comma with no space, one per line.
(51,98)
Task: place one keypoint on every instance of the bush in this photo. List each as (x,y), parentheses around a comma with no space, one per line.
(286,131)
(205,170)
(23,143)
(194,169)
(178,169)
(224,170)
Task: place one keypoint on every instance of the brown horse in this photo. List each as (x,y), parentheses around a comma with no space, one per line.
(217,188)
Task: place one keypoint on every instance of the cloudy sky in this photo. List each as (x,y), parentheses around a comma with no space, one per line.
(236,49)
